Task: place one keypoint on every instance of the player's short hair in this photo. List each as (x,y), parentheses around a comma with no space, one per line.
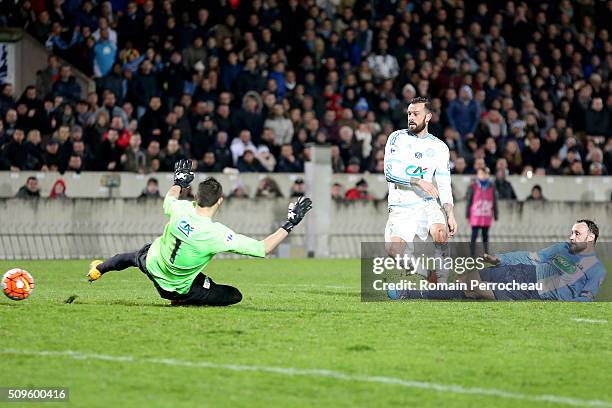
(593,228)
(422,99)
(209,192)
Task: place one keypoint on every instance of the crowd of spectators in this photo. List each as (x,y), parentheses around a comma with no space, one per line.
(517,87)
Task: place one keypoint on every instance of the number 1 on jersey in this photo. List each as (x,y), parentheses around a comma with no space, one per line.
(177,245)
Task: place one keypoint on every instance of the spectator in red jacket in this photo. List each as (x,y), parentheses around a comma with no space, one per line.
(359,192)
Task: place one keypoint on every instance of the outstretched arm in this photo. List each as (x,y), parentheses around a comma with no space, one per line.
(183,176)
(244,245)
(174,192)
(295,214)
(274,239)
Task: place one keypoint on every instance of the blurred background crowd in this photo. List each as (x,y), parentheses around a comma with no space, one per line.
(517,87)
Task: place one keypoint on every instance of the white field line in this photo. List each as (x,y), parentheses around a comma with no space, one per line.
(313,372)
(581,320)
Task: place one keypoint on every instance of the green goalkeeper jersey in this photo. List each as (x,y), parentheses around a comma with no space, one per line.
(188,244)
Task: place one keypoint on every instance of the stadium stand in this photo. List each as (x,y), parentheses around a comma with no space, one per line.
(523,88)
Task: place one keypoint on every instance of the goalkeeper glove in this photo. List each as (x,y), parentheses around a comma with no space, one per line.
(296,212)
(183,176)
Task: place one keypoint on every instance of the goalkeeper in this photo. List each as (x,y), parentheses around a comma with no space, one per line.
(174,262)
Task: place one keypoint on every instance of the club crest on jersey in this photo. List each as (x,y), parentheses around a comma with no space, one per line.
(418,155)
(185,228)
(430,152)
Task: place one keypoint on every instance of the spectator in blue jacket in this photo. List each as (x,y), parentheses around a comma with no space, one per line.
(464,113)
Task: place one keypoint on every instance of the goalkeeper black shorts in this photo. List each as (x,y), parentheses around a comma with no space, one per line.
(203,292)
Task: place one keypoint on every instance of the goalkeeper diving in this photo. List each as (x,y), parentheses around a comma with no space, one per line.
(175,261)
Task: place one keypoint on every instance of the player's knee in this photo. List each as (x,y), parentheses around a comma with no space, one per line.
(395,248)
(439,236)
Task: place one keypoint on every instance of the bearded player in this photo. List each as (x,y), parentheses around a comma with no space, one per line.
(175,261)
(413,159)
(568,271)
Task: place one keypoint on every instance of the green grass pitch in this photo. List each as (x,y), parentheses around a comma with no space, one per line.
(119,344)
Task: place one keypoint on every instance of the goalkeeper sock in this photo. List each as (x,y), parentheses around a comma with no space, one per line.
(118,262)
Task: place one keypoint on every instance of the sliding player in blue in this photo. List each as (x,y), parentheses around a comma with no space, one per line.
(568,271)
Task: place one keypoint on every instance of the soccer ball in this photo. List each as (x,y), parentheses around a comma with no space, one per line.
(17,284)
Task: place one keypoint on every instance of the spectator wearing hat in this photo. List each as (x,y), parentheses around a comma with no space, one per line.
(359,192)
(58,190)
(464,113)
(266,158)
(298,188)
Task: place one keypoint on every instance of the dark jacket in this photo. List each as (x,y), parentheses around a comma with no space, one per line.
(504,190)
(106,154)
(70,89)
(285,166)
(16,154)
(25,193)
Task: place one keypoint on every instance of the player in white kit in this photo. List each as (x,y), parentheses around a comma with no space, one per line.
(413,158)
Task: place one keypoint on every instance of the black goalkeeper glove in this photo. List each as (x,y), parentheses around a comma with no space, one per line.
(183,174)
(296,212)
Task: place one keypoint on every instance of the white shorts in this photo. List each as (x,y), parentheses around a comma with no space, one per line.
(405,223)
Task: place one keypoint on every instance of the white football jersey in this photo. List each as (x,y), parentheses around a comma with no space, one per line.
(406,156)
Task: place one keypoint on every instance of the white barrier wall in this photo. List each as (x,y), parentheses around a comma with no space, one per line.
(91,184)
(86,228)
